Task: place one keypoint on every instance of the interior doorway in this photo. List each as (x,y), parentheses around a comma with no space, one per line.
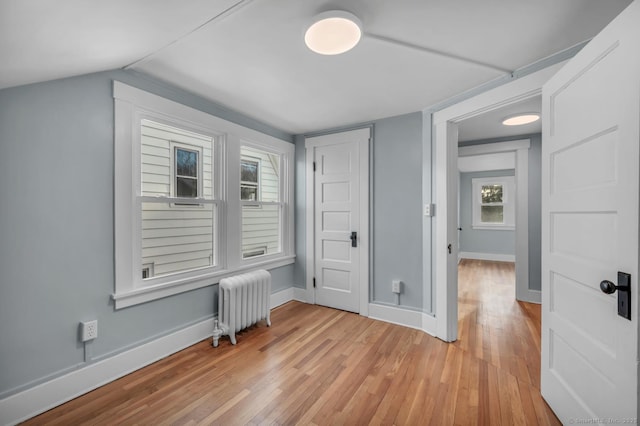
(506,170)
(445,123)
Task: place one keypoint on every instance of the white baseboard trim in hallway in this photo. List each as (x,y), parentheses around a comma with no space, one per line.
(487,256)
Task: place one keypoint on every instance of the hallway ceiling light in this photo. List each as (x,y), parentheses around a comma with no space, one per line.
(333,32)
(520,119)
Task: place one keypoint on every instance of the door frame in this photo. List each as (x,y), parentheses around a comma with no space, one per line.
(364,233)
(444,127)
(520,147)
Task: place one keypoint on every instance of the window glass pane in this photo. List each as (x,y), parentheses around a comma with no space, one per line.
(262,169)
(491,194)
(260,230)
(186,163)
(248,193)
(191,154)
(176,238)
(249,171)
(186,187)
(492,214)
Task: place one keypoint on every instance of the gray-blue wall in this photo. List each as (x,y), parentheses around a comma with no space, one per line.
(396,197)
(397,209)
(482,240)
(56,230)
(535,215)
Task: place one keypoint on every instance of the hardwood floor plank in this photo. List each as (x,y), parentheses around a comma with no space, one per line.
(322,366)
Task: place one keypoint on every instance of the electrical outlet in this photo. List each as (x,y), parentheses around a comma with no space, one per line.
(89,330)
(395,286)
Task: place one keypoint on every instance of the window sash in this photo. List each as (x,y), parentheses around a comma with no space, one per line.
(267,233)
(215,262)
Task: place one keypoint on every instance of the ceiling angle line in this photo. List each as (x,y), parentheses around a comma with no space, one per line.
(435,52)
(225,13)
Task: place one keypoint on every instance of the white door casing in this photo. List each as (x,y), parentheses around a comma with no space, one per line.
(590,196)
(337,206)
(447,325)
(444,123)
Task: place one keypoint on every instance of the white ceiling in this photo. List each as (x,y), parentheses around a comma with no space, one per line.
(249,55)
(489,125)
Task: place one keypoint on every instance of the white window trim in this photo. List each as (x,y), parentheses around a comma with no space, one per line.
(131,105)
(508,203)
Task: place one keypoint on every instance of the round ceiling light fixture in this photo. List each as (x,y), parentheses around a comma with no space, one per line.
(521,118)
(333,32)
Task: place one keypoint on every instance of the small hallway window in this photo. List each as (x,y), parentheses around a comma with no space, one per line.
(494,203)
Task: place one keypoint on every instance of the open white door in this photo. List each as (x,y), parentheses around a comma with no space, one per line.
(590,185)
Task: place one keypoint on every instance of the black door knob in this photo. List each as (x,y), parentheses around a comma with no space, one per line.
(608,287)
(624,293)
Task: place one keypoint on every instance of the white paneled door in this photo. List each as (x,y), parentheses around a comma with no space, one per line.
(340,211)
(590,219)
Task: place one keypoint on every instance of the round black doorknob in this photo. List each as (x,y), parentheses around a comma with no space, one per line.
(608,287)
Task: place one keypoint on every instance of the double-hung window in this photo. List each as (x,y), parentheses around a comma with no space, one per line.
(197,198)
(260,189)
(177,203)
(493,203)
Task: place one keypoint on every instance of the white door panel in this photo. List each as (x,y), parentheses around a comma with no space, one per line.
(340,207)
(590,186)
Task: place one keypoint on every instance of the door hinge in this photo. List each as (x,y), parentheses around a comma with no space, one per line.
(314,166)
(314,282)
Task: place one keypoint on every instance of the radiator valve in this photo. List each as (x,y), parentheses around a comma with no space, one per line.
(217,333)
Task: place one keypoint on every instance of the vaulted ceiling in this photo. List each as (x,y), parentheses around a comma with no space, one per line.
(249,55)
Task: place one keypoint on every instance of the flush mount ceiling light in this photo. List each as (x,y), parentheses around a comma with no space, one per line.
(520,119)
(333,32)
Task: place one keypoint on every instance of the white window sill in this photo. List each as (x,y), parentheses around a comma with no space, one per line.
(493,227)
(147,294)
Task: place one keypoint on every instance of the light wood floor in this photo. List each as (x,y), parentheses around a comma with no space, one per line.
(323,366)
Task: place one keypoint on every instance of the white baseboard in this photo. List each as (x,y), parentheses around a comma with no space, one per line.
(487,256)
(405,317)
(38,399)
(281,297)
(531,296)
(300,294)
(288,294)
(429,324)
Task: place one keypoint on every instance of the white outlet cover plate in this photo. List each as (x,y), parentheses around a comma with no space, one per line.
(89,330)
